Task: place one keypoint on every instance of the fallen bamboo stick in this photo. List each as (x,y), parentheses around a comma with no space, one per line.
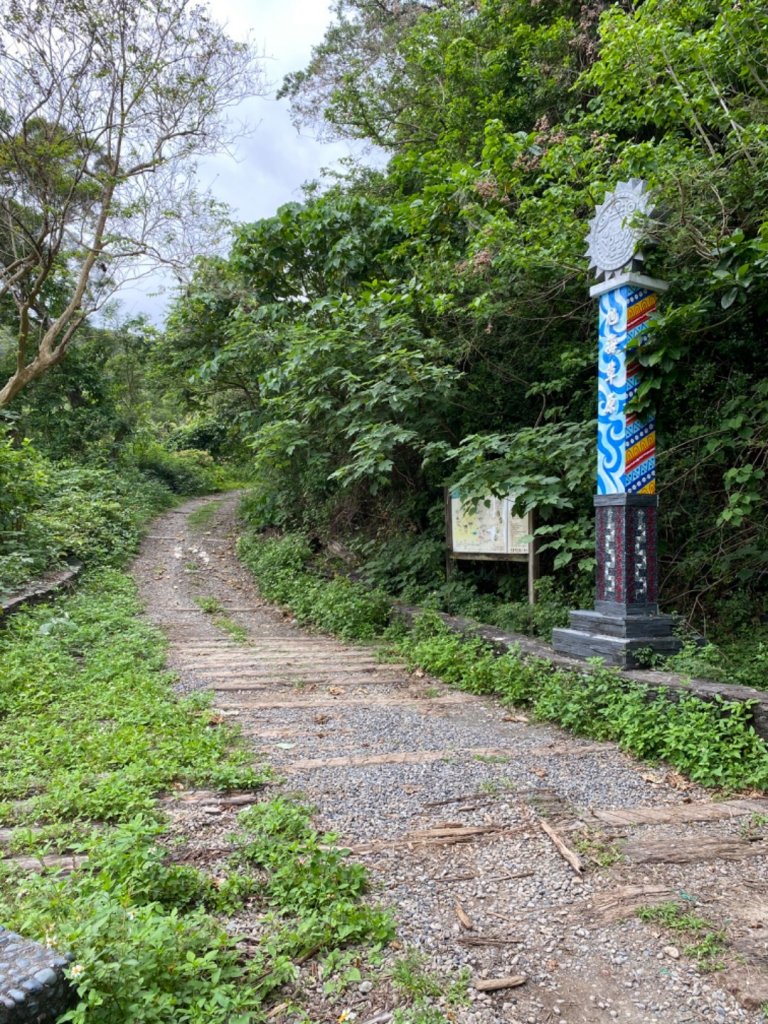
(496,984)
(565,851)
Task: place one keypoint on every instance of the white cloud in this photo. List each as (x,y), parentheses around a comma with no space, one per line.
(267,167)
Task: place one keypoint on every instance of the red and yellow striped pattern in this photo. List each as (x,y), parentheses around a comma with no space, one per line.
(640,452)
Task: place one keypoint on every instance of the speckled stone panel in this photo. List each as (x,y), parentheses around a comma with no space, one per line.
(33,988)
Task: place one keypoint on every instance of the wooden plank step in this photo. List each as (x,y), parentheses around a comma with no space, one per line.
(224,681)
(320,701)
(689,851)
(7,834)
(289,657)
(573,749)
(673,813)
(441,835)
(260,670)
(289,643)
(210,797)
(624,902)
(396,757)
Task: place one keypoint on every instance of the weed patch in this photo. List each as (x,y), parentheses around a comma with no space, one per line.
(237,632)
(598,847)
(201,518)
(90,731)
(282,569)
(709,941)
(427,992)
(713,743)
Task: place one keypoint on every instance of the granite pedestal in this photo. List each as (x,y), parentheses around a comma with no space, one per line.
(626,616)
(33,987)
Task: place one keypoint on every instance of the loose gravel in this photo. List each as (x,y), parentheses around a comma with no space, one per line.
(586,956)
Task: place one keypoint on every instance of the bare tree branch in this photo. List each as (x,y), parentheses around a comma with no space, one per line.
(102,112)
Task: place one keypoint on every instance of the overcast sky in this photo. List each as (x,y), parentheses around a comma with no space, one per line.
(269,167)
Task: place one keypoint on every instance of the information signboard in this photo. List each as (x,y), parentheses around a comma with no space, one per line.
(490,531)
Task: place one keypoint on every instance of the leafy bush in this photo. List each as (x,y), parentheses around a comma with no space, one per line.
(407,565)
(51,511)
(711,742)
(85,718)
(187,471)
(97,515)
(93,514)
(339,605)
(309,877)
(741,659)
(24,481)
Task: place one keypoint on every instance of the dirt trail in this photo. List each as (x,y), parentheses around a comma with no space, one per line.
(457,805)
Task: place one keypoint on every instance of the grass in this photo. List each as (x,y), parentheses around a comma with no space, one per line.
(91,733)
(754,827)
(88,724)
(238,633)
(212,606)
(709,941)
(497,787)
(202,518)
(598,847)
(427,991)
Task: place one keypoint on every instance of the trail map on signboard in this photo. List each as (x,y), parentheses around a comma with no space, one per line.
(488,528)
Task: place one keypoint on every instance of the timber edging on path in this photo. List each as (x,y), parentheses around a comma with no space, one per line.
(501,642)
(40,589)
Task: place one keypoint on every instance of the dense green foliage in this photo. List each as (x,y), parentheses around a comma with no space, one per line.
(86,459)
(429,323)
(51,511)
(336,605)
(713,743)
(90,735)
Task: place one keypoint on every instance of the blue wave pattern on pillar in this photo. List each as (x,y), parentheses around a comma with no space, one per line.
(611,392)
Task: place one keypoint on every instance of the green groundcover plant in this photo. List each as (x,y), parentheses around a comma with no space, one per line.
(54,510)
(713,742)
(91,734)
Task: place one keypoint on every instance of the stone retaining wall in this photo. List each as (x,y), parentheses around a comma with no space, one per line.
(501,642)
(40,589)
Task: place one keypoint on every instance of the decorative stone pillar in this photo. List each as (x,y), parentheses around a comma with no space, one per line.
(626,616)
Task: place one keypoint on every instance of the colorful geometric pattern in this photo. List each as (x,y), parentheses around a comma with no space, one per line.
(626,445)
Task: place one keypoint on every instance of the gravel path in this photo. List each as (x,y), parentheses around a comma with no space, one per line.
(444,797)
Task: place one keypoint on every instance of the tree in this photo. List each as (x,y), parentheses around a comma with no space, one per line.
(427,74)
(103,109)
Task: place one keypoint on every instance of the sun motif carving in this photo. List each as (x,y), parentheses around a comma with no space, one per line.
(613,234)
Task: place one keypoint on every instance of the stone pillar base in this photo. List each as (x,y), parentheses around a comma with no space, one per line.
(626,616)
(616,638)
